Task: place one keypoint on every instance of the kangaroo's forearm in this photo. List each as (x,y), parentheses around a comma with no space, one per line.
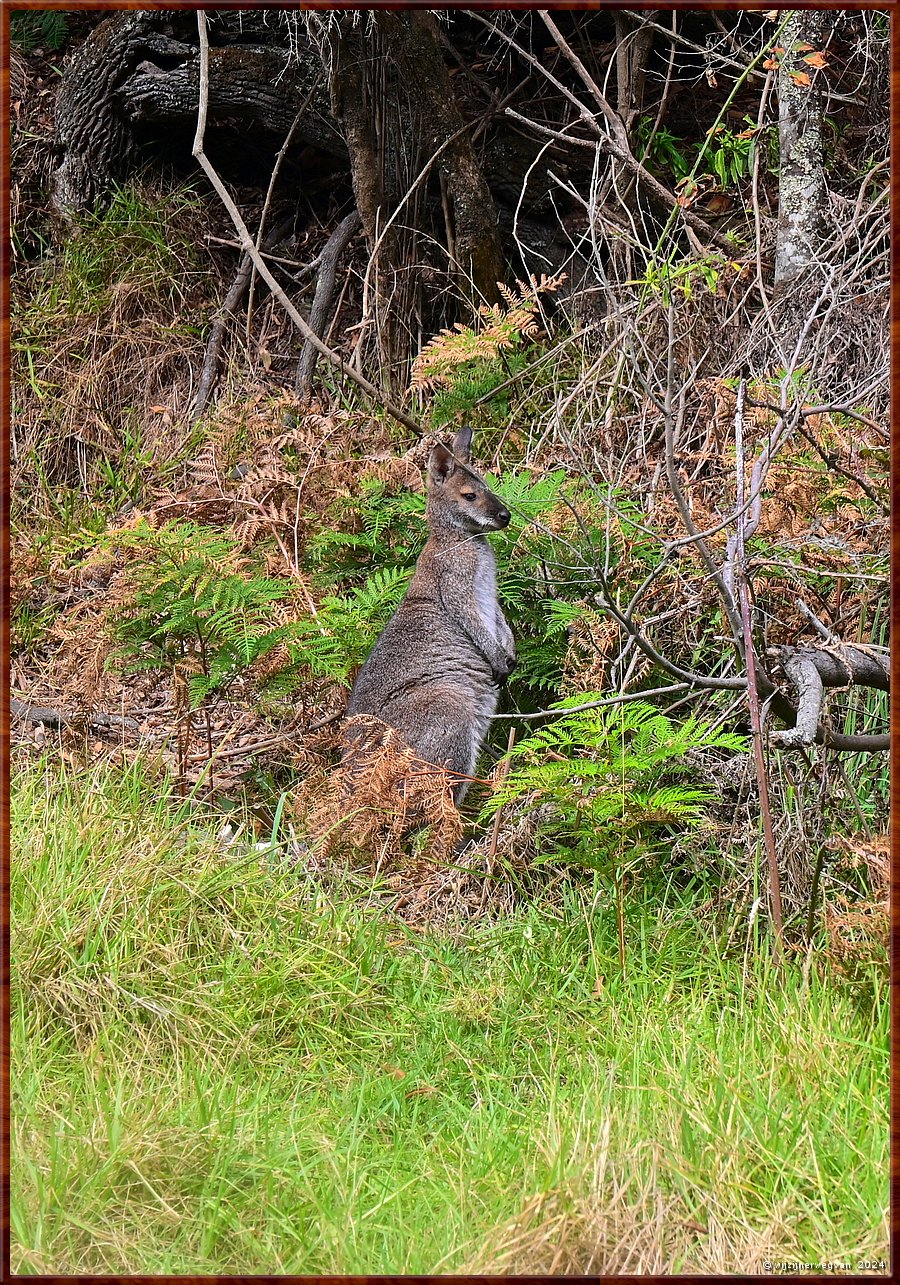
(490,646)
(505,634)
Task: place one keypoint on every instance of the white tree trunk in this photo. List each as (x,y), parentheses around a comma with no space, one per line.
(802,190)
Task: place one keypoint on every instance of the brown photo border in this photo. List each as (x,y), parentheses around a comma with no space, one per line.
(11,6)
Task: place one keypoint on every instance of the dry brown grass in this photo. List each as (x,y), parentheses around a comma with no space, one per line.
(616,1217)
(858,931)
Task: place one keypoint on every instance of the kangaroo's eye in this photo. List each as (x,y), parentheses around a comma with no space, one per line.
(468,495)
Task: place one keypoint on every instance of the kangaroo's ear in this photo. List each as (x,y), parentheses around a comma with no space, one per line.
(440,463)
(462,444)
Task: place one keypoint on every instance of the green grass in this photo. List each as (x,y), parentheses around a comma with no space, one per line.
(220,1067)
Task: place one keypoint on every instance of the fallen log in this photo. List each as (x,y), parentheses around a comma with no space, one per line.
(810,670)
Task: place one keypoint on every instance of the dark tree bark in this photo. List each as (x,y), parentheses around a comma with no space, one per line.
(353,104)
(634,41)
(245,82)
(633,45)
(413,45)
(137,66)
(92,131)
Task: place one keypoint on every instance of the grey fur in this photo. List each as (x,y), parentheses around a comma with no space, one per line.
(434,672)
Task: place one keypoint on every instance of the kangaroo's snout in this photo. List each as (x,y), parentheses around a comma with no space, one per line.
(488,514)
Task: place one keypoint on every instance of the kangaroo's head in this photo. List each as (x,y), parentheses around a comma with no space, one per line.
(458,497)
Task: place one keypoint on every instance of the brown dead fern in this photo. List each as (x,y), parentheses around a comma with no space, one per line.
(380,795)
(502,326)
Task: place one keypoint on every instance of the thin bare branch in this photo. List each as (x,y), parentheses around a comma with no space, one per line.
(759,759)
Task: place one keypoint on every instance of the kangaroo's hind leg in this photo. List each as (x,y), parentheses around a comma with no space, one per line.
(452,748)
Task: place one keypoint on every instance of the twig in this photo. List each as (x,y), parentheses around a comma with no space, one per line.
(844,410)
(413,187)
(867,743)
(667,85)
(273,177)
(58,718)
(758,475)
(675,487)
(759,761)
(607,700)
(816,623)
(268,743)
(616,124)
(532,366)
(501,773)
(604,141)
(831,459)
(272,258)
(318,315)
(814,890)
(677,38)
(249,248)
(210,369)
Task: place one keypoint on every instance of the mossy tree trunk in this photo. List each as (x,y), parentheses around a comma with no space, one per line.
(802,190)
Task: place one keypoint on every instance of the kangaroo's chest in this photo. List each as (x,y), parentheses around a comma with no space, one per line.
(484,590)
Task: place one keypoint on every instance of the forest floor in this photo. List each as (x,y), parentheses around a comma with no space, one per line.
(224,1064)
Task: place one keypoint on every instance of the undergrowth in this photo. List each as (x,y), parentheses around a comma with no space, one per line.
(610,784)
(223,1065)
(242,1057)
(100,351)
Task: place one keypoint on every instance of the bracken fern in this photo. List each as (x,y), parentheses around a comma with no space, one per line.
(601,780)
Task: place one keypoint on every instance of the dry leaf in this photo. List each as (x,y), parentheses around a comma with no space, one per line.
(718,203)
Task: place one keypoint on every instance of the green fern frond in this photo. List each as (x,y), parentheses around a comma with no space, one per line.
(608,776)
(41,27)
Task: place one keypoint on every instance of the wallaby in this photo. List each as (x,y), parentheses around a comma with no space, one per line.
(433,674)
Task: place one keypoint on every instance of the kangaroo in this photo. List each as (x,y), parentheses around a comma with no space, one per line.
(434,672)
